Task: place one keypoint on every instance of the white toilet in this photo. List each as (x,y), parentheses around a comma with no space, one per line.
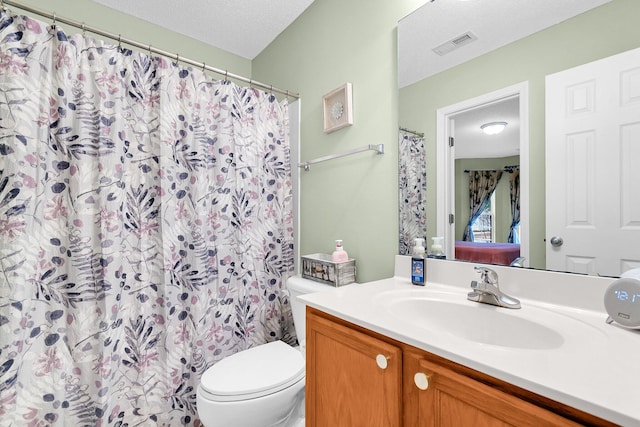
(262,386)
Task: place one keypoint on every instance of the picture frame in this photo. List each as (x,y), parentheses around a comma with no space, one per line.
(337,108)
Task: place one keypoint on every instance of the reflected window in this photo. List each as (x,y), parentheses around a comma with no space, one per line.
(484,227)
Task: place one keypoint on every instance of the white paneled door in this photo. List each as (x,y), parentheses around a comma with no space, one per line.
(593,167)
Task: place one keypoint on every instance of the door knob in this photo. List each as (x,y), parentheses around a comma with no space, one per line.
(556,241)
(382,360)
(421,380)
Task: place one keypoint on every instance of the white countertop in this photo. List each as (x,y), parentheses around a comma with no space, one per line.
(596,369)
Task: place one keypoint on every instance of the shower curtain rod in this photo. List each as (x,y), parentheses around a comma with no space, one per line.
(505,169)
(151,49)
(415,132)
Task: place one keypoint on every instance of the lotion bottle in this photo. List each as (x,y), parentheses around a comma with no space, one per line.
(418,263)
(339,255)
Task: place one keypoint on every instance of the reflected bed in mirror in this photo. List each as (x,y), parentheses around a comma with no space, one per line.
(591,35)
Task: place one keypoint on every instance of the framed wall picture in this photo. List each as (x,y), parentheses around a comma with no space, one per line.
(337,109)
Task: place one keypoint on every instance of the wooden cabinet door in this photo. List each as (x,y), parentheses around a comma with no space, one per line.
(345,385)
(451,399)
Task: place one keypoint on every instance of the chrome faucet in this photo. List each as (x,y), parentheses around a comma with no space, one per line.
(488,291)
(518,262)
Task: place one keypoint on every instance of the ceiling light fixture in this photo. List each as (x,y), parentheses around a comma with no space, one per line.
(493,128)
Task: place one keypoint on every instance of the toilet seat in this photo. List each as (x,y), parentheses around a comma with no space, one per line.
(253,373)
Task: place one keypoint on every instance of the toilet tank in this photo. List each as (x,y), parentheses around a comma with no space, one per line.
(297,285)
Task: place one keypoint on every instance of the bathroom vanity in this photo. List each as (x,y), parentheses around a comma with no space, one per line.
(388,353)
(411,387)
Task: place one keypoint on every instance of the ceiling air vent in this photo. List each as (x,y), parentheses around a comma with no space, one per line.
(455,43)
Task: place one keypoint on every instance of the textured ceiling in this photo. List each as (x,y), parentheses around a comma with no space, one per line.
(246,27)
(242,27)
(495,23)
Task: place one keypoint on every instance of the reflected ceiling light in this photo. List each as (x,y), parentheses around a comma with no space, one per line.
(493,128)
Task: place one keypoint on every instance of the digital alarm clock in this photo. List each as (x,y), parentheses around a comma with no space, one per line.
(622,302)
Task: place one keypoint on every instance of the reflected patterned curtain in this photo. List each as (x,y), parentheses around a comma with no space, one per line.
(412,170)
(145,225)
(482,184)
(514,183)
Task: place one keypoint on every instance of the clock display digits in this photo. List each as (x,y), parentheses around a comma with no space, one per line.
(623,295)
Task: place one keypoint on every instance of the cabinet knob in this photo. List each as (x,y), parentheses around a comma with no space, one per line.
(381,360)
(422,380)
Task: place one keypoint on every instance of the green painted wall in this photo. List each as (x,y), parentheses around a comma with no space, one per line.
(110,20)
(604,31)
(354,198)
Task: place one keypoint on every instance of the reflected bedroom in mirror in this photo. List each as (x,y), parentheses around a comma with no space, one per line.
(557,187)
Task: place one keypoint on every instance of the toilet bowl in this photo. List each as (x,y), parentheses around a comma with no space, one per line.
(264,385)
(253,388)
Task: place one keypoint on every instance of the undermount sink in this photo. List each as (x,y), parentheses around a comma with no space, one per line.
(452,314)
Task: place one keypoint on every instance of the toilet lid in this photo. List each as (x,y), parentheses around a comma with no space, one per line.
(253,373)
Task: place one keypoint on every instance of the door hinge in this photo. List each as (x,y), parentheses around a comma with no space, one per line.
(451,219)
(450,141)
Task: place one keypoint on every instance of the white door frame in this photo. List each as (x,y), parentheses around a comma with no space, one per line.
(445,174)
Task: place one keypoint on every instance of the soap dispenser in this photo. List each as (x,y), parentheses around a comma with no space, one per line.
(437,250)
(417,263)
(339,255)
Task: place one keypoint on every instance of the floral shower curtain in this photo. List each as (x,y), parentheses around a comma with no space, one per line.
(412,193)
(145,226)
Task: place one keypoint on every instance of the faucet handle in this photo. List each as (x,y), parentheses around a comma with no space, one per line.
(487,275)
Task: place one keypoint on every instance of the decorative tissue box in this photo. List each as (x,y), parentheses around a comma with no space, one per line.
(319,267)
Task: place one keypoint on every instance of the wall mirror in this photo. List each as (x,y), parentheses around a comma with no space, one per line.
(483,50)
